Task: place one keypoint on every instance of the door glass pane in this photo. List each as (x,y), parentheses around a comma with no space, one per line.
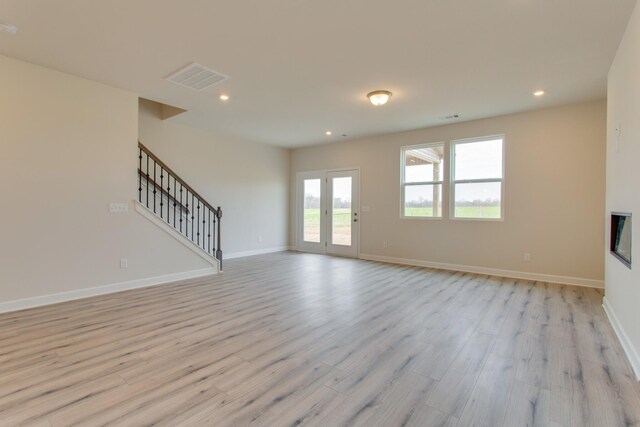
(341,219)
(311,231)
(478,200)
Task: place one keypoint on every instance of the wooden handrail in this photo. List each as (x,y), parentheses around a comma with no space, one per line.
(177,178)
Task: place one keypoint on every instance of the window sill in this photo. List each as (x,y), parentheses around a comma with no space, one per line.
(478,219)
(429,218)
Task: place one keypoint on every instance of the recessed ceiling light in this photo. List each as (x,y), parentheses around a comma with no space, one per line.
(224,97)
(538,93)
(379,97)
(328,133)
(8,28)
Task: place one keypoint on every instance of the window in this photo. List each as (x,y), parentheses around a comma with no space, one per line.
(422,176)
(477,178)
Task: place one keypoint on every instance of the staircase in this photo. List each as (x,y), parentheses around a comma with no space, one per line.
(177,204)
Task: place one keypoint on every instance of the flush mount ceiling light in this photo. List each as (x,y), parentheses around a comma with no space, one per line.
(8,28)
(328,133)
(224,97)
(538,93)
(379,97)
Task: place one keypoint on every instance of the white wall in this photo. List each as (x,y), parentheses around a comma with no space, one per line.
(623,187)
(250,181)
(554,178)
(68,148)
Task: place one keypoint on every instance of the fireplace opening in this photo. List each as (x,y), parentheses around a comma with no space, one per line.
(621,237)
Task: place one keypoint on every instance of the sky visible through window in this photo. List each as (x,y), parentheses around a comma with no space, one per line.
(342,189)
(311,193)
(419,173)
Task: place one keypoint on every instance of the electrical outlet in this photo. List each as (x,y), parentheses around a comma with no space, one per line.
(259,239)
(124,263)
(118,207)
(527,257)
(384,244)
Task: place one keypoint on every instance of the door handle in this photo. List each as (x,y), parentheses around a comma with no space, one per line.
(355,220)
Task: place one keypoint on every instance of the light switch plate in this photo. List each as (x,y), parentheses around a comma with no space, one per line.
(118,207)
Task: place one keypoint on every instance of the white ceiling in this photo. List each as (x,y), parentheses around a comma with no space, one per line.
(300,67)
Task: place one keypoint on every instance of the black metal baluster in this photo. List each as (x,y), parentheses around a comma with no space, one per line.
(181,208)
(140,174)
(186,217)
(192,223)
(161,189)
(147,180)
(198,228)
(209,232)
(154,187)
(175,186)
(168,197)
(204,222)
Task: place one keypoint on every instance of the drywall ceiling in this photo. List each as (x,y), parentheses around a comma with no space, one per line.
(300,67)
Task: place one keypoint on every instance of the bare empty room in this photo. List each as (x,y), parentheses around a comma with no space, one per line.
(337,213)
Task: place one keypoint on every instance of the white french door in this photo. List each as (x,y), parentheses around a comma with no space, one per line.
(327,214)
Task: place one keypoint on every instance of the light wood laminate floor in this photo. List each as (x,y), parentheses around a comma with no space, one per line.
(290,339)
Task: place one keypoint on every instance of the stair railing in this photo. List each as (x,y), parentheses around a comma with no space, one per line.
(161,190)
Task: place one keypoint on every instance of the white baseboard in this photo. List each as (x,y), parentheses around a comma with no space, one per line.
(489,271)
(148,214)
(629,349)
(255,252)
(38,301)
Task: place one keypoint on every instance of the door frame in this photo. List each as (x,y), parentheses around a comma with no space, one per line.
(322,249)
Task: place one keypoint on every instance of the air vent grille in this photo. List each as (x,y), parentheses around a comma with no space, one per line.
(196,77)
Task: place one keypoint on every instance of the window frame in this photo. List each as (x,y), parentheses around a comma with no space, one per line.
(452,181)
(404,184)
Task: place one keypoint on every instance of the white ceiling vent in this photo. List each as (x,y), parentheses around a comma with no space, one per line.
(196,77)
